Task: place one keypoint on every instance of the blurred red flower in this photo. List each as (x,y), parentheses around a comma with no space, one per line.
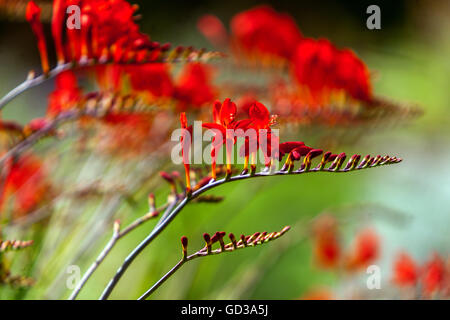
(406,272)
(433,275)
(264,31)
(66,94)
(26,183)
(194,87)
(152,78)
(322,68)
(365,251)
(327,249)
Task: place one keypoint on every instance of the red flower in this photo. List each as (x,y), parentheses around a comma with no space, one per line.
(406,272)
(327,250)
(194,86)
(365,251)
(33,16)
(66,94)
(322,68)
(433,275)
(153,78)
(57,28)
(186,141)
(224,116)
(260,119)
(26,183)
(264,31)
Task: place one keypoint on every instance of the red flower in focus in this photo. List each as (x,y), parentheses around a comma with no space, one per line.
(260,119)
(264,31)
(365,251)
(327,250)
(194,86)
(224,116)
(66,94)
(433,275)
(153,78)
(33,16)
(26,182)
(406,272)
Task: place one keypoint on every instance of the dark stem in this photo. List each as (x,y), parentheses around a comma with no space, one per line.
(172,214)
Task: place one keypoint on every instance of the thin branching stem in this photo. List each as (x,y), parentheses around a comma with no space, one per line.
(171,214)
(117,235)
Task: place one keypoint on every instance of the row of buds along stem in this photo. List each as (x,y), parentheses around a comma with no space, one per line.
(225,122)
(6,245)
(244,241)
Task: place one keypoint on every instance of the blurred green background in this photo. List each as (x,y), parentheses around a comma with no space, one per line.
(407,203)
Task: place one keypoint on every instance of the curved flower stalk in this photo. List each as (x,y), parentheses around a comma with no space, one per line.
(244,241)
(294,151)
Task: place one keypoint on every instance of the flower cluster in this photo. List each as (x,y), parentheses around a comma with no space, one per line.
(322,71)
(328,249)
(433,276)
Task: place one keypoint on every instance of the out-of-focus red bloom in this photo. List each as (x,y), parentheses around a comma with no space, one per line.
(318,294)
(186,141)
(213,29)
(194,87)
(365,250)
(108,32)
(263,31)
(153,78)
(406,272)
(66,94)
(26,182)
(57,28)
(33,16)
(323,69)
(109,77)
(433,275)
(327,250)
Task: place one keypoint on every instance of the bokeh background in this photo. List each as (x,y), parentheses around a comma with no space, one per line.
(407,204)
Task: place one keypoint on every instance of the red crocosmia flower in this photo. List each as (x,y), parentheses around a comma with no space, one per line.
(260,119)
(322,68)
(224,116)
(153,78)
(352,75)
(26,182)
(57,28)
(66,94)
(109,77)
(406,272)
(194,86)
(108,32)
(327,250)
(365,251)
(33,16)
(186,141)
(433,275)
(265,32)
